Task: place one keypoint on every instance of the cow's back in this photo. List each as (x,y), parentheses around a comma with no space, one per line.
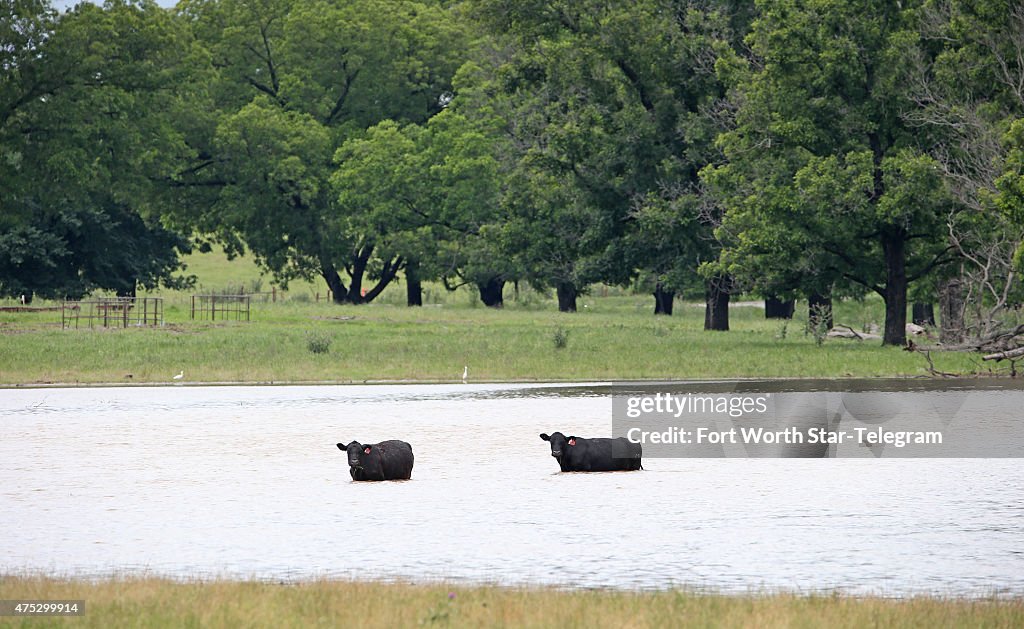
(598,455)
(397,459)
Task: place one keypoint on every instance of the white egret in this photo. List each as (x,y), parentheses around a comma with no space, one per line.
(465,373)
(181,374)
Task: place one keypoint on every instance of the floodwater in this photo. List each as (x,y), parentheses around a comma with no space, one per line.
(246,482)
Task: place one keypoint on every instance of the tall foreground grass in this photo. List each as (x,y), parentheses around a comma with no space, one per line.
(159,603)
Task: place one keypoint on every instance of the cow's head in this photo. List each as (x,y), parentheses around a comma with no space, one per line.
(559,443)
(355,451)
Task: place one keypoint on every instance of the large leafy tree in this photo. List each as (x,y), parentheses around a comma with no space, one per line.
(296,80)
(546,226)
(822,169)
(470,156)
(966,81)
(431,188)
(613,112)
(580,120)
(671,234)
(86,104)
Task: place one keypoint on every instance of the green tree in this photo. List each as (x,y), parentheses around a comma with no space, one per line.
(471,155)
(431,188)
(296,80)
(86,103)
(822,170)
(580,125)
(671,234)
(964,73)
(613,111)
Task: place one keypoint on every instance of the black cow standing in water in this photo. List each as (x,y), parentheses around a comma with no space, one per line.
(387,460)
(576,454)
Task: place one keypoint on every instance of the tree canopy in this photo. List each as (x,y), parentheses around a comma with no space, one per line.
(822,170)
(810,148)
(87,103)
(294,81)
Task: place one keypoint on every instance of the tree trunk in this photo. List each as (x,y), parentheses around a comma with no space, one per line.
(354,293)
(413,284)
(923,313)
(355,285)
(716,303)
(951,312)
(894,247)
(663,300)
(492,292)
(819,306)
(566,296)
(775,308)
(339,294)
(387,274)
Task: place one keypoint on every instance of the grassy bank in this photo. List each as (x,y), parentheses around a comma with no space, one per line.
(157,603)
(614,338)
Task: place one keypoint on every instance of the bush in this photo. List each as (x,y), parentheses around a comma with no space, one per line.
(818,324)
(560,338)
(318,343)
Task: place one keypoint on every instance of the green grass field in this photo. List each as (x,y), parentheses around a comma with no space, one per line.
(616,338)
(611,337)
(158,603)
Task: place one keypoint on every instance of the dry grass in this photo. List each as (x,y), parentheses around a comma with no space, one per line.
(147,602)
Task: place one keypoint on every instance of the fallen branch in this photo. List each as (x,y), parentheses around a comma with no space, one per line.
(995,342)
(910,347)
(854,332)
(1005,335)
(1011,353)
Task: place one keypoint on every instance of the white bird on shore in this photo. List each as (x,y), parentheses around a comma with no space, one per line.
(465,373)
(181,374)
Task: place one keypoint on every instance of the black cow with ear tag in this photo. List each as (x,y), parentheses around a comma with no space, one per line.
(576,454)
(387,460)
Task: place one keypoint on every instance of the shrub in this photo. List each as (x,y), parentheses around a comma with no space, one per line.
(818,324)
(560,338)
(318,343)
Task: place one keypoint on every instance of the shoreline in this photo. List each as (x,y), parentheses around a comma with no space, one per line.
(920,378)
(996,594)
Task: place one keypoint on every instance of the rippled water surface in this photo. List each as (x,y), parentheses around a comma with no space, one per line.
(247,482)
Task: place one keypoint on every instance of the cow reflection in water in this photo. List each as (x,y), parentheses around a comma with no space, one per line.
(387,460)
(576,454)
